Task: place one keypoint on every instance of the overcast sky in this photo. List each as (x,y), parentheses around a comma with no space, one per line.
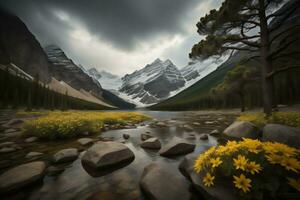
(118,36)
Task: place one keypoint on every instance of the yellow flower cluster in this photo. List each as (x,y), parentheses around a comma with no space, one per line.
(260,119)
(247,158)
(67,124)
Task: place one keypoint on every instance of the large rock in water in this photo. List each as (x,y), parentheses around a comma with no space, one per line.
(283,134)
(21,176)
(160,184)
(65,155)
(151,143)
(240,129)
(176,146)
(218,192)
(105,154)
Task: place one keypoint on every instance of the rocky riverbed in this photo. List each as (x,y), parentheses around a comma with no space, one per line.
(66,175)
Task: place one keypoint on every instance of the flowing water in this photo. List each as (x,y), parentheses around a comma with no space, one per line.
(75,182)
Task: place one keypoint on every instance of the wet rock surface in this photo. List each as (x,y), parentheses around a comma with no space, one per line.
(71,180)
(151,143)
(240,129)
(283,134)
(157,188)
(176,146)
(21,176)
(65,155)
(106,154)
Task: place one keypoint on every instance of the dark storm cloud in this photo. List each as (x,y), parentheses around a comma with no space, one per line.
(122,23)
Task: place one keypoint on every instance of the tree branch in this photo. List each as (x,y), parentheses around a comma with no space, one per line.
(285,54)
(240,49)
(283,32)
(274,72)
(278,51)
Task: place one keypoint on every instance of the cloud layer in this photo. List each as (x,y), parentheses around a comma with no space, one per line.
(118,36)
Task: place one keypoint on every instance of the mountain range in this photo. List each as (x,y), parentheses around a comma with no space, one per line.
(50,65)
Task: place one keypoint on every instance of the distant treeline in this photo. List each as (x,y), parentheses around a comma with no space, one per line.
(17,92)
(287,91)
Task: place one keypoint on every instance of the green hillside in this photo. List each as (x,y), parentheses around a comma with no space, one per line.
(113,99)
(189,98)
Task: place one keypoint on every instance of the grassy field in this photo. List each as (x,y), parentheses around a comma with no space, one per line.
(260,119)
(58,125)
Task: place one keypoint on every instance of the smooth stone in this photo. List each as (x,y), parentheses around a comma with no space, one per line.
(6,144)
(210,122)
(65,155)
(126,136)
(21,176)
(14,134)
(33,155)
(85,133)
(54,171)
(11,130)
(204,137)
(151,143)
(7,149)
(215,132)
(106,154)
(145,136)
(188,127)
(85,141)
(161,124)
(176,146)
(13,122)
(158,183)
(196,123)
(243,129)
(283,134)
(31,139)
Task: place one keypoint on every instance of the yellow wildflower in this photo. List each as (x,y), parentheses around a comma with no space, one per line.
(242,183)
(290,164)
(240,162)
(253,168)
(273,158)
(295,183)
(208,180)
(216,162)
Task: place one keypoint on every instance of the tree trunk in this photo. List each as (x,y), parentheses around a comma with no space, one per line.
(242,97)
(267,66)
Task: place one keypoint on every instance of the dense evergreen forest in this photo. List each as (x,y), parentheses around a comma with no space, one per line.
(17,92)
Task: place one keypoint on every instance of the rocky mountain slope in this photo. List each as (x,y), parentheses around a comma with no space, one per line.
(107,80)
(152,83)
(64,69)
(19,46)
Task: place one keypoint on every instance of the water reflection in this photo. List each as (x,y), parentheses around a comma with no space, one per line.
(79,182)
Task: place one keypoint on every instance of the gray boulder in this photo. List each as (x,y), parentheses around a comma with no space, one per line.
(65,155)
(85,141)
(31,139)
(106,154)
(240,129)
(21,176)
(204,137)
(31,155)
(176,146)
(283,134)
(145,136)
(160,184)
(151,143)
